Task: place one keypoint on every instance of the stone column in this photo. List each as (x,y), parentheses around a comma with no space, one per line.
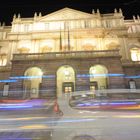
(126,50)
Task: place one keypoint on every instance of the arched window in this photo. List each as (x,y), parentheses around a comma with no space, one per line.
(24,46)
(45,49)
(67,48)
(23,50)
(88,47)
(3,59)
(135,54)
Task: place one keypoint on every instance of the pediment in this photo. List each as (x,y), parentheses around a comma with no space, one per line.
(65,14)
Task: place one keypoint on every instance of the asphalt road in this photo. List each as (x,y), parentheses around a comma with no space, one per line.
(96,125)
(43,123)
(29,120)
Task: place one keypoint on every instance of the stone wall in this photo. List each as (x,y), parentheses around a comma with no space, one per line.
(80,66)
(133,73)
(4,75)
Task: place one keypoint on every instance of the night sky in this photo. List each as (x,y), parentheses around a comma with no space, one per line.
(27,8)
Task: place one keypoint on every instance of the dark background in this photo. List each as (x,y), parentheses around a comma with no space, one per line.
(27,8)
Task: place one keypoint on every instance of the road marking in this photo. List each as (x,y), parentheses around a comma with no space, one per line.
(84,111)
(127,116)
(23,118)
(34,127)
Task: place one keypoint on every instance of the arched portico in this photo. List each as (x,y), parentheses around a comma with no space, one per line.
(65,80)
(33,78)
(98,77)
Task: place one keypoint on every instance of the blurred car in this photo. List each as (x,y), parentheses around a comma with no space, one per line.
(87,101)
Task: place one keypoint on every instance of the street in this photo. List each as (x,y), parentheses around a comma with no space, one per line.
(26,120)
(43,123)
(96,125)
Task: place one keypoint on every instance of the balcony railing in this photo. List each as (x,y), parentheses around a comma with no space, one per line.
(5,68)
(61,55)
(130,62)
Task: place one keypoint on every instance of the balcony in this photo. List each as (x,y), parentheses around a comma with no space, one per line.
(63,55)
(5,68)
(130,63)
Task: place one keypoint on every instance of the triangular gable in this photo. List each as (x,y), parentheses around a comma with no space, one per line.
(66,13)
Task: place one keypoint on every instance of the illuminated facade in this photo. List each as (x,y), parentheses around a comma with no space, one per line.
(69,50)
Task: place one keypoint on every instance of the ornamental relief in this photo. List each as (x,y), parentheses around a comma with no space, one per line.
(112,46)
(66,14)
(133,42)
(88,47)
(45,49)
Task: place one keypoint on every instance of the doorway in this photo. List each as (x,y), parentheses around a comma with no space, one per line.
(68,87)
(65,80)
(98,77)
(33,79)
(93,86)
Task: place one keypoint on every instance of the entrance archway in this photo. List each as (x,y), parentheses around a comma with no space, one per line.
(98,77)
(65,80)
(33,79)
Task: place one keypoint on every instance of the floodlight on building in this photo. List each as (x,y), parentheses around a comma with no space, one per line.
(66,72)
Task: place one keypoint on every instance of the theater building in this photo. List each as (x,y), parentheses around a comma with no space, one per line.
(69,50)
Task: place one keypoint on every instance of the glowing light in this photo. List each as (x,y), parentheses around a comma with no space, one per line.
(15,106)
(130,116)
(135,54)
(90,41)
(40,73)
(101,75)
(93,71)
(66,72)
(39,26)
(125,103)
(133,76)
(32,77)
(47,45)
(76,120)
(55,25)
(12,104)
(83,95)
(25,77)
(24,46)
(48,76)
(8,81)
(106,103)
